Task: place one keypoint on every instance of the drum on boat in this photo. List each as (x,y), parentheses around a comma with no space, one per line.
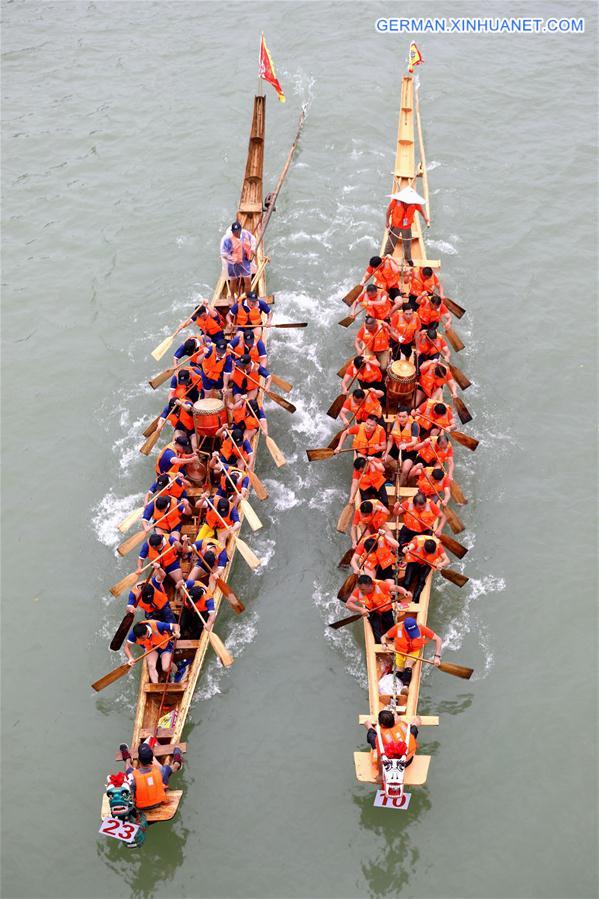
(209,415)
(401,381)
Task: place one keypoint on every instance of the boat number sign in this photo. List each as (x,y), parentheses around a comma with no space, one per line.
(120,830)
(400,802)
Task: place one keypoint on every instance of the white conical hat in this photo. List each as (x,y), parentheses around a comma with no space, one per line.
(408,195)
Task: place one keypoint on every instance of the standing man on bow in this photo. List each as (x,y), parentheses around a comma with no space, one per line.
(400,218)
(237,250)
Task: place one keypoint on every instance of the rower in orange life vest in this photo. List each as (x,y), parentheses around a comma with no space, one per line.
(191,624)
(209,560)
(221,519)
(375,301)
(369,478)
(425,281)
(165,514)
(433,481)
(193,347)
(434,417)
(385,272)
(179,414)
(408,638)
(237,250)
(374,600)
(171,484)
(247,314)
(169,549)
(148,781)
(229,475)
(150,597)
(360,404)
(368,372)
(422,554)
(235,449)
(245,344)
(248,416)
(373,336)
(403,439)
(393,732)
(217,367)
(371,517)
(431,345)
(400,218)
(403,328)
(432,311)
(376,556)
(245,380)
(369,438)
(153,636)
(432,378)
(186,384)
(209,321)
(437,450)
(179,456)
(421,515)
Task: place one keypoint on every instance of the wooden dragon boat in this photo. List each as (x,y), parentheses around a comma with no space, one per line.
(157,700)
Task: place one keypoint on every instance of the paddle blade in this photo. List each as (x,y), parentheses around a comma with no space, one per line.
(342,371)
(281,401)
(291,325)
(250,557)
(462,410)
(161,349)
(335,441)
(277,456)
(343,621)
(347,587)
(230,595)
(454,307)
(317,455)
(345,519)
(454,576)
(454,340)
(459,377)
(457,494)
(465,440)
(130,543)
(353,295)
(130,519)
(281,383)
(259,488)
(220,649)
(456,670)
(335,407)
(455,522)
(453,546)
(250,516)
(149,444)
(124,584)
(121,632)
(152,427)
(346,558)
(159,379)
(111,677)
(347,321)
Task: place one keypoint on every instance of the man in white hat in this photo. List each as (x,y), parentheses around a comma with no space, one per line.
(400,216)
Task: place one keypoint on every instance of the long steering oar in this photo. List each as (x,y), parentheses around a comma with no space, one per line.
(250,557)
(215,641)
(119,672)
(250,516)
(259,487)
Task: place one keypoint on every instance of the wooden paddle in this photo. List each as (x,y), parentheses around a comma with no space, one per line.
(152,426)
(229,594)
(454,340)
(130,579)
(345,518)
(455,522)
(462,410)
(281,383)
(448,542)
(448,573)
(454,307)
(464,439)
(163,376)
(119,672)
(159,351)
(127,545)
(250,557)
(446,667)
(276,454)
(350,298)
(286,325)
(259,488)
(137,513)
(215,641)
(251,517)
(457,494)
(346,558)
(275,397)
(343,622)
(456,373)
(317,455)
(121,632)
(343,370)
(150,442)
(350,319)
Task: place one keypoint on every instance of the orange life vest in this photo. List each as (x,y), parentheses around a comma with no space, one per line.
(429,313)
(386,275)
(418,547)
(378,304)
(419,284)
(215,520)
(155,638)
(183,390)
(428,347)
(429,381)
(382,555)
(149,789)
(369,445)
(241,248)
(210,323)
(370,477)
(376,519)
(170,555)
(244,350)
(369,373)
(377,341)
(225,483)
(242,377)
(427,451)
(175,489)
(248,315)
(433,420)
(158,601)
(229,449)
(169,446)
(363,408)
(213,365)
(379,599)
(201,604)
(426,481)
(405,329)
(402,434)
(402,214)
(173,515)
(181,415)
(420,519)
(392,737)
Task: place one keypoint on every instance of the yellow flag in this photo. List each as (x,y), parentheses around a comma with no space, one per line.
(414,57)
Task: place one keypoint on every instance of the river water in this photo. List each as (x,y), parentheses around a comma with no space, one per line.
(124,136)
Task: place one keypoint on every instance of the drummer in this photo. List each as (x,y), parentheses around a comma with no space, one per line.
(244,343)
(404,326)
(217,367)
(179,455)
(374,336)
(402,444)
(367,371)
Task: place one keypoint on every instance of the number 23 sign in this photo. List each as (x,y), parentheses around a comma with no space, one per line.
(120,830)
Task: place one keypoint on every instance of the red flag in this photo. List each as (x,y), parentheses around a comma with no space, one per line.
(266,70)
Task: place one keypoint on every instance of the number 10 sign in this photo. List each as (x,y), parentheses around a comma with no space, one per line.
(120,830)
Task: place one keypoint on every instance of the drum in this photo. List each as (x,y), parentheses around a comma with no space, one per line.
(208,416)
(401,381)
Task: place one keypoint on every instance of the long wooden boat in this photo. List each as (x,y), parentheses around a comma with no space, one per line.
(156,700)
(410,166)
